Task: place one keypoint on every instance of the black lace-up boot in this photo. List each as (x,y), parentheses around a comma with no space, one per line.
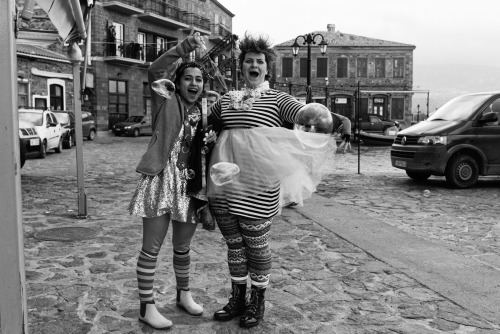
(236,305)
(255,308)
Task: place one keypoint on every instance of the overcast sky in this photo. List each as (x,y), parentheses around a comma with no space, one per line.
(443,31)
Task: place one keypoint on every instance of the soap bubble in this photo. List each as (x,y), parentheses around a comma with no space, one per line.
(223,173)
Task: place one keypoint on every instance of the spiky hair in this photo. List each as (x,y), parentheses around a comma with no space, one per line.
(259,44)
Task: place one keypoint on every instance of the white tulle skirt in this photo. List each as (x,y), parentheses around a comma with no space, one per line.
(268,158)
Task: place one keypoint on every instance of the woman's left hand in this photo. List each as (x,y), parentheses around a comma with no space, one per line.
(210,137)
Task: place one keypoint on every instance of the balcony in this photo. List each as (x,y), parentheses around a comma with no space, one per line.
(218,32)
(124,53)
(163,13)
(127,7)
(201,24)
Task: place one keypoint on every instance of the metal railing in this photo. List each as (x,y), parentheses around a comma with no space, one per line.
(133,3)
(219,30)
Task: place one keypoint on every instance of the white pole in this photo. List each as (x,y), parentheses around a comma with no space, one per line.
(13,309)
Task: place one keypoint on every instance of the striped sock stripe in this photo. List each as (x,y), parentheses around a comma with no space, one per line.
(182,262)
(146,267)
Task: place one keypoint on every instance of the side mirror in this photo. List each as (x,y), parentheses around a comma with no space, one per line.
(489,117)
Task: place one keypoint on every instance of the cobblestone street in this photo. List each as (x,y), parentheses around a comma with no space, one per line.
(320,282)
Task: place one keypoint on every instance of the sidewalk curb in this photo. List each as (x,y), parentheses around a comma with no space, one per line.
(470,284)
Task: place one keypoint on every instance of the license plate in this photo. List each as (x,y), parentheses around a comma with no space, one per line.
(400,163)
(34,142)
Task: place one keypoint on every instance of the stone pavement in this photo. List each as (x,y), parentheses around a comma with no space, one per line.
(320,282)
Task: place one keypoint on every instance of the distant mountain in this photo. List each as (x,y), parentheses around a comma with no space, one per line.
(447,81)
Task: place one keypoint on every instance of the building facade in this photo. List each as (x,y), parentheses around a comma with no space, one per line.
(382,69)
(126,36)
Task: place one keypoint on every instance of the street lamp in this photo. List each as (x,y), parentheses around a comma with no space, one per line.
(309,39)
(326,92)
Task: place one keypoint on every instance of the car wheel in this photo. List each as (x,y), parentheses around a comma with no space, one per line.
(68,143)
(91,135)
(59,147)
(22,153)
(418,176)
(43,150)
(137,132)
(462,171)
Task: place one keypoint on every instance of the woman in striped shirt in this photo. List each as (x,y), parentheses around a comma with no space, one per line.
(266,156)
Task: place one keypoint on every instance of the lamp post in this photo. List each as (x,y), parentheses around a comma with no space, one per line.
(326,92)
(309,39)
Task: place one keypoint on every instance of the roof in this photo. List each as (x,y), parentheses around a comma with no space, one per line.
(37,51)
(340,39)
(223,8)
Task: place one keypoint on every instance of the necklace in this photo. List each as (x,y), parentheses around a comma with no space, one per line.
(191,117)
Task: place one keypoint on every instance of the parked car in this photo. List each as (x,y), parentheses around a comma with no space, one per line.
(47,127)
(89,129)
(30,144)
(461,141)
(133,126)
(375,123)
(67,121)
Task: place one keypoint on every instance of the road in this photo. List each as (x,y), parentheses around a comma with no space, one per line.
(368,254)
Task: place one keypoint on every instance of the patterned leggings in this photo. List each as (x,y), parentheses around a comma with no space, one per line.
(247,247)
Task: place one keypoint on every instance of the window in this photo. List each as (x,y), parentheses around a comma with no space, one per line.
(56,97)
(363,107)
(303,67)
(398,66)
(118,98)
(287,67)
(322,67)
(361,67)
(22,94)
(342,68)
(116,30)
(146,92)
(141,40)
(398,108)
(160,45)
(379,67)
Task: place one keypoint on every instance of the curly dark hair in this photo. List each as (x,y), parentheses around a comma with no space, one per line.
(259,44)
(182,67)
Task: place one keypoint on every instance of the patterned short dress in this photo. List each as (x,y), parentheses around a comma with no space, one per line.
(165,192)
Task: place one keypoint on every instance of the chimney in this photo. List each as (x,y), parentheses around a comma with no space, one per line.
(330,27)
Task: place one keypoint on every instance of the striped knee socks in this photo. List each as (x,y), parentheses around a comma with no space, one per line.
(182,262)
(146,266)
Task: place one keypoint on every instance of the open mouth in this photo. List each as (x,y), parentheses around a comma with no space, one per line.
(253,74)
(192,91)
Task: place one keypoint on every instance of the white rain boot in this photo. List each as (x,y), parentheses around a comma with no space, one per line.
(185,301)
(150,316)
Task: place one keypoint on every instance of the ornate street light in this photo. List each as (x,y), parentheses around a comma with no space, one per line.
(309,39)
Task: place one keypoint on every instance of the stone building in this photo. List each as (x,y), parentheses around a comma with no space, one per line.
(383,69)
(126,37)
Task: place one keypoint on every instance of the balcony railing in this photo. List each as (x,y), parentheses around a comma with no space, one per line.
(121,52)
(198,21)
(219,30)
(163,9)
(128,7)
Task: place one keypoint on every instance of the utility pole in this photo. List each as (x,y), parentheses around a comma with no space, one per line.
(13,309)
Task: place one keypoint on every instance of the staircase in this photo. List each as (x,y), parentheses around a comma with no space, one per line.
(219,48)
